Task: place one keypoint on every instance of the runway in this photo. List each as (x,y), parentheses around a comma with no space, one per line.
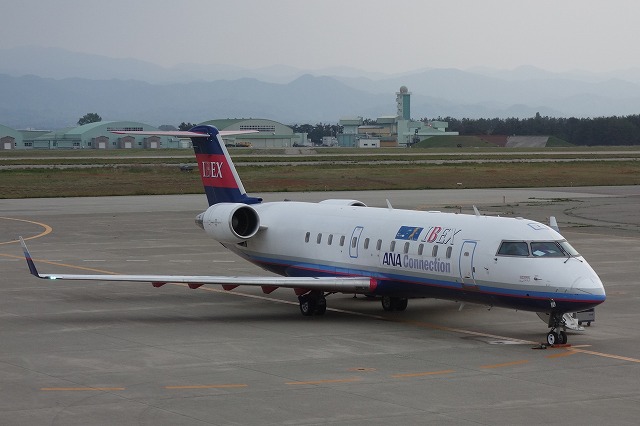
(75,353)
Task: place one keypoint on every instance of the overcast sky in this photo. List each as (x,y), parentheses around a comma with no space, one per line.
(383,36)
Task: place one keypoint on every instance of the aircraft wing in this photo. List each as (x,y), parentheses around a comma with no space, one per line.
(268,284)
(182,134)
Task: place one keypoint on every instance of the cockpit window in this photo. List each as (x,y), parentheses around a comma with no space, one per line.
(514,248)
(546,249)
(568,248)
(537,249)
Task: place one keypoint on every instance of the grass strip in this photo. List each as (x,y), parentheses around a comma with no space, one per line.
(136,180)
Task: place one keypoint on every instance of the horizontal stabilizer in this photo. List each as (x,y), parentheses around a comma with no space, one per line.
(182,134)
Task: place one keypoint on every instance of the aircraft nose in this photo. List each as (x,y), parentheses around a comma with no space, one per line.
(590,284)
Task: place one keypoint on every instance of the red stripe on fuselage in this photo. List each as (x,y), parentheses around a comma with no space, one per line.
(215,171)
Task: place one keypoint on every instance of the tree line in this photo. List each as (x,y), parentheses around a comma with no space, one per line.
(615,130)
(315,133)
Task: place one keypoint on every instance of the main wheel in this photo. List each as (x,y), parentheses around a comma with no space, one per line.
(321,306)
(401,304)
(306,306)
(562,338)
(388,303)
(552,338)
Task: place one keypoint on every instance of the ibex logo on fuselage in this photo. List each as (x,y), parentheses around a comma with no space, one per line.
(212,169)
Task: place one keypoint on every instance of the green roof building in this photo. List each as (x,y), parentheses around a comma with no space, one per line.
(9,138)
(100,135)
(271,133)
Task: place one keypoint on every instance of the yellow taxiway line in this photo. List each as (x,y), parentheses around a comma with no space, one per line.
(227,386)
(47,230)
(82,389)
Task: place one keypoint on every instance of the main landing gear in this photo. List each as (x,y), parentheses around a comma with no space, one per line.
(313,302)
(394,303)
(557,335)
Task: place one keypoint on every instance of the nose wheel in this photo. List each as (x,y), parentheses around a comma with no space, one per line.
(557,335)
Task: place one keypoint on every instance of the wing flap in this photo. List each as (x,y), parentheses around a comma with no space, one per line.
(328,284)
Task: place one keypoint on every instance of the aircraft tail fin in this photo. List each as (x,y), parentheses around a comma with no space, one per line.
(219,176)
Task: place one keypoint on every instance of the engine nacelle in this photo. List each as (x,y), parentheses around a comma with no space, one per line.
(341,202)
(230,222)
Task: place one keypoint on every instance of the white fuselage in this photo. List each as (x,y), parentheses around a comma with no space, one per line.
(423,254)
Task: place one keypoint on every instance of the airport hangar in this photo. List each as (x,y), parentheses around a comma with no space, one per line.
(99,136)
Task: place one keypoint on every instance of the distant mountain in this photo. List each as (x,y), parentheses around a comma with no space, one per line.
(52,88)
(60,63)
(463,86)
(37,102)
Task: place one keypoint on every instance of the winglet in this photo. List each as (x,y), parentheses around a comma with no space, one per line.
(553,224)
(27,256)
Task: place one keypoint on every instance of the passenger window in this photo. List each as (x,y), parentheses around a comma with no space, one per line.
(341,240)
(379,245)
(514,248)
(330,239)
(449,250)
(434,252)
(319,239)
(546,249)
(406,247)
(366,243)
(307,236)
(392,246)
(420,249)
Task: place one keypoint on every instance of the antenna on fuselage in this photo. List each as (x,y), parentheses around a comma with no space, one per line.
(389,206)
(476,211)
(553,224)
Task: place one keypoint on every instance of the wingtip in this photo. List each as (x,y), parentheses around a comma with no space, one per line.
(27,256)
(553,224)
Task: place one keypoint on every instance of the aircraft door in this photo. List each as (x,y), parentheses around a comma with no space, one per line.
(355,242)
(467,271)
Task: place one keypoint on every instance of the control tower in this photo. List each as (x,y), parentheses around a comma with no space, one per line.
(403,100)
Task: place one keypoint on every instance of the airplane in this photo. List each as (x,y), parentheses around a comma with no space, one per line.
(343,246)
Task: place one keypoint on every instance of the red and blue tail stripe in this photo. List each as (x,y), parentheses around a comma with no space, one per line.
(219,176)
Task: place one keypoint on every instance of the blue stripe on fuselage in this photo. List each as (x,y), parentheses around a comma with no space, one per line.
(412,286)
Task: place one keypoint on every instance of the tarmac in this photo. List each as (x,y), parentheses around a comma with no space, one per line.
(79,353)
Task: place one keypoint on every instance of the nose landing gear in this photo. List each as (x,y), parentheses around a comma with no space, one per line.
(557,335)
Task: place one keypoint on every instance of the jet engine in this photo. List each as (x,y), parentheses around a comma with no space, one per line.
(229,222)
